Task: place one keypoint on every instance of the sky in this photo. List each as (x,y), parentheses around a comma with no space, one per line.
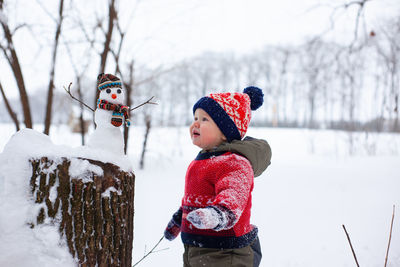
(165,32)
(240,26)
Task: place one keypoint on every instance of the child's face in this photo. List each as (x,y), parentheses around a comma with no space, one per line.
(204,132)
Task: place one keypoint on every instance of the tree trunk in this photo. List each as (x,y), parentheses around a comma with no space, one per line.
(112,16)
(12,58)
(81,120)
(9,109)
(146,136)
(94,213)
(129,91)
(47,121)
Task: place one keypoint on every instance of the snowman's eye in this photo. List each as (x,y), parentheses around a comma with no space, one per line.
(108,91)
(119,91)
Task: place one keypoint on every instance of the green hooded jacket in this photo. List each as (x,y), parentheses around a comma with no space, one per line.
(257,151)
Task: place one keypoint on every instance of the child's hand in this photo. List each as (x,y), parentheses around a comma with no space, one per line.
(174,226)
(172,231)
(207,218)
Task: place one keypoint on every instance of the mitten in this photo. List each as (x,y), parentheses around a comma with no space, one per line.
(116,119)
(212,217)
(174,226)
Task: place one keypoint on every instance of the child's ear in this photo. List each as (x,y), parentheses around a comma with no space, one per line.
(223,138)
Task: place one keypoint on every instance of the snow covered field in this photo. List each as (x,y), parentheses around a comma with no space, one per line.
(312,187)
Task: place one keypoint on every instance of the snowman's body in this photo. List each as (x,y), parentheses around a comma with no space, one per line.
(106,136)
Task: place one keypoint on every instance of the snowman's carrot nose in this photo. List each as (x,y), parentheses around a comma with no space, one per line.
(114,96)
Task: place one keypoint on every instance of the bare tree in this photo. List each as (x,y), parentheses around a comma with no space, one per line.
(79,75)
(112,17)
(9,108)
(11,55)
(313,66)
(47,121)
(389,52)
(147,120)
(129,90)
(338,10)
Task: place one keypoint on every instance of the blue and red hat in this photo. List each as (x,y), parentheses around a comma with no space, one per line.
(232,111)
(108,81)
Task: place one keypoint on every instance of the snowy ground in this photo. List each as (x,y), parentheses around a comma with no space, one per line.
(312,187)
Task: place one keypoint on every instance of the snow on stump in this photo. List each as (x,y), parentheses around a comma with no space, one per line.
(64,206)
(94,212)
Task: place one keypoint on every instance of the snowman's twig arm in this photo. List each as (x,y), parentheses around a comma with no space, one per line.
(147,102)
(69,92)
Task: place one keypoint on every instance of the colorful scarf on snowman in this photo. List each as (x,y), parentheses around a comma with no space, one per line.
(119,111)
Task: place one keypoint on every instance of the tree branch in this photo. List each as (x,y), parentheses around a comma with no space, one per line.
(154,76)
(50,14)
(47,121)
(390,237)
(19,27)
(112,16)
(351,246)
(13,61)
(147,102)
(360,4)
(69,92)
(151,251)
(9,109)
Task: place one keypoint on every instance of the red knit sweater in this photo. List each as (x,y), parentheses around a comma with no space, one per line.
(223,180)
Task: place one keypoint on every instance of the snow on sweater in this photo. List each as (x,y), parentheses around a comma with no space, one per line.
(223,180)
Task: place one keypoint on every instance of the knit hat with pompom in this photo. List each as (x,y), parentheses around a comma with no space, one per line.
(232,111)
(107,81)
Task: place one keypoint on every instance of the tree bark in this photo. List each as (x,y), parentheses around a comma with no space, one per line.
(47,121)
(9,109)
(112,16)
(128,87)
(81,120)
(94,213)
(13,61)
(146,136)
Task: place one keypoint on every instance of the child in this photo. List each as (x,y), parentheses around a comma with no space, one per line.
(214,218)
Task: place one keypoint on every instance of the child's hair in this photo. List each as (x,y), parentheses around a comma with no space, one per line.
(232,111)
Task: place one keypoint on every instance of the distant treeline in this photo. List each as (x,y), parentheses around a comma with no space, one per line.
(318,84)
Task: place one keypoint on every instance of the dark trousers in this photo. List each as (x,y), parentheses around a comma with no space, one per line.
(249,256)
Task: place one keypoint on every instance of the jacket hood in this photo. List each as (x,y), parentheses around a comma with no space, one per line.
(257,151)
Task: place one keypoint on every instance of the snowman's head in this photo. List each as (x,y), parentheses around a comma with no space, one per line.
(110,87)
(114,95)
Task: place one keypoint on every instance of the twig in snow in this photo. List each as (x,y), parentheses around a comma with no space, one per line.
(151,251)
(390,237)
(155,251)
(147,102)
(351,246)
(69,92)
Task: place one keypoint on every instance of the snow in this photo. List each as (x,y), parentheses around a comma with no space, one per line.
(106,136)
(318,181)
(107,193)
(83,169)
(29,143)
(312,187)
(42,245)
(20,245)
(107,139)
(3,17)
(204,218)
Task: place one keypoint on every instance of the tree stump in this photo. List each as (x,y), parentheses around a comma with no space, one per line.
(94,212)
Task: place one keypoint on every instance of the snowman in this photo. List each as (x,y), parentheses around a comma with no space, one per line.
(109,115)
